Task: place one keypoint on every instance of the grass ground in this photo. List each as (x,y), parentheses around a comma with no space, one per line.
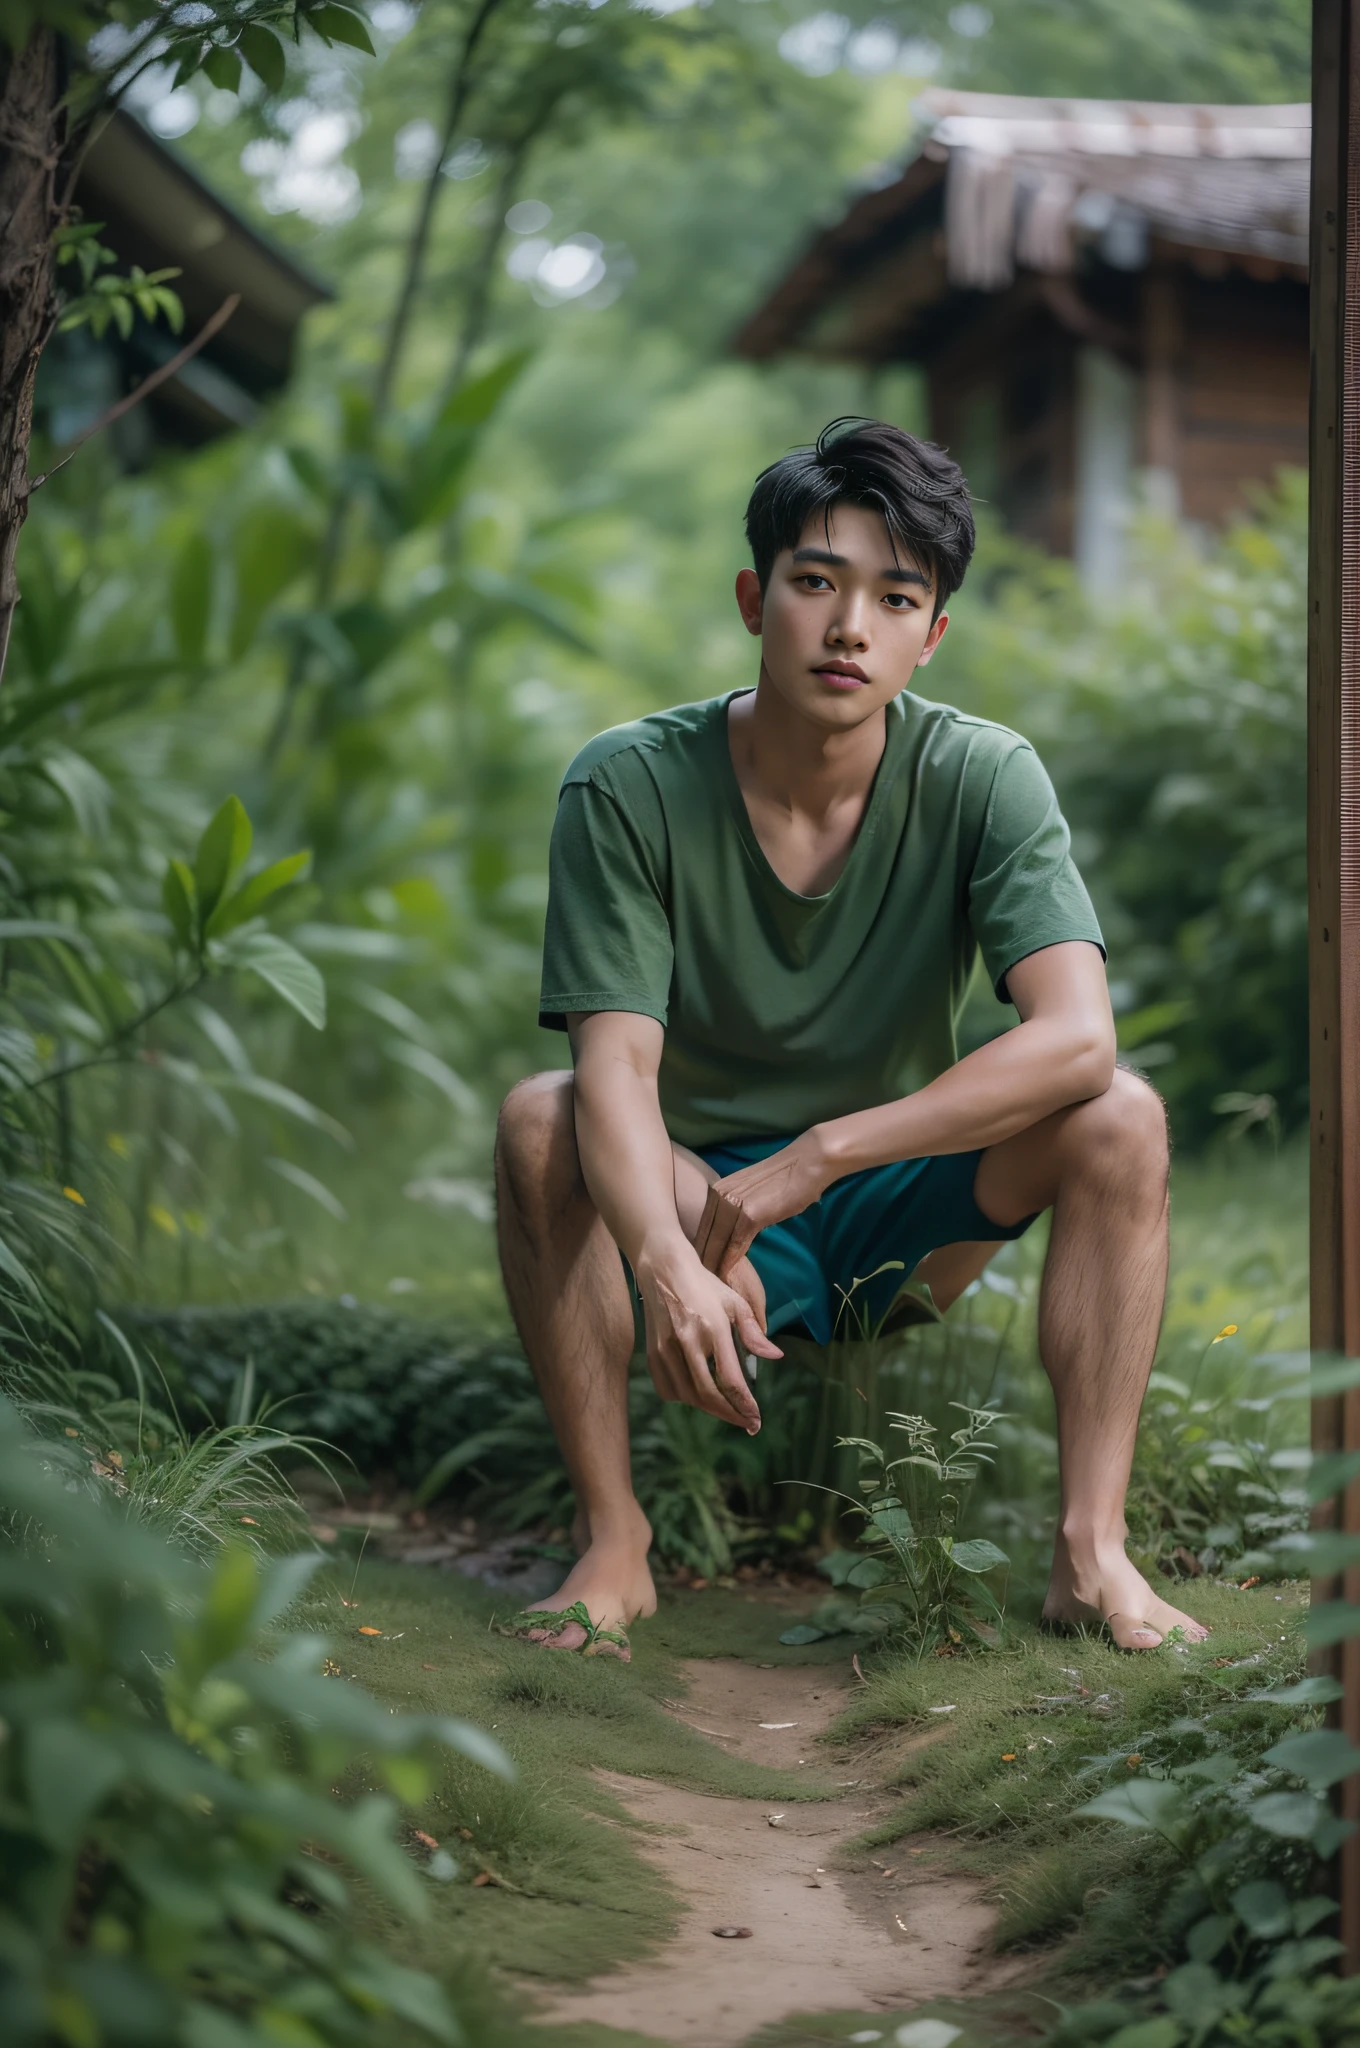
(1035,1729)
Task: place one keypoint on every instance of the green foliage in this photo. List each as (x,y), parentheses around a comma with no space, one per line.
(172,1851)
(1173,727)
(917,1580)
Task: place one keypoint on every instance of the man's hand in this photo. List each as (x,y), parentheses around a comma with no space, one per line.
(747,1202)
(691,1354)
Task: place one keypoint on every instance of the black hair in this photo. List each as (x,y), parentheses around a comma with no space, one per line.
(920,491)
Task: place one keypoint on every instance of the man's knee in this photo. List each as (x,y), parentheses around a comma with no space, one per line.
(536,1138)
(1124,1130)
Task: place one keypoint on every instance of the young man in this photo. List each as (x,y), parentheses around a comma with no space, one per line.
(763,914)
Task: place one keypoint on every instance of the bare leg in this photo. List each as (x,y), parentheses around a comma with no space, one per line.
(567,1293)
(1102,1167)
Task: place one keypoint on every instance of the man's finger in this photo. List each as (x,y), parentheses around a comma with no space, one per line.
(704,1391)
(743,1236)
(730,1377)
(747,1283)
(754,1338)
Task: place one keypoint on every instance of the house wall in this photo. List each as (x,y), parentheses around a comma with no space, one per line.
(1002,400)
(1242,389)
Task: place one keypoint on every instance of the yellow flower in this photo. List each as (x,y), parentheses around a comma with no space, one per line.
(162,1219)
(74,1195)
(1228,1330)
(118,1144)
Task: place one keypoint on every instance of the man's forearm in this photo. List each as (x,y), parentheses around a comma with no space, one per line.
(1004,1087)
(626,1157)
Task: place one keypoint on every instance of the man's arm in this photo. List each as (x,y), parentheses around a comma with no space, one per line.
(629,1168)
(1061,1052)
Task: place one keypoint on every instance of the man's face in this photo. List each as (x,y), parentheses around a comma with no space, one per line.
(845,619)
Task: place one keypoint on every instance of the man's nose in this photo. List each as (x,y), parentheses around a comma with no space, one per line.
(850,627)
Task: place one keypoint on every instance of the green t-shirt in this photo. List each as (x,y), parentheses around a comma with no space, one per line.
(783,1010)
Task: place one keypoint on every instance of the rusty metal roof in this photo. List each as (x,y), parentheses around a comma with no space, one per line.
(1046,185)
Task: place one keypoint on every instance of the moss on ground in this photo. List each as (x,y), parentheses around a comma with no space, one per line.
(570,1893)
(1035,1729)
(1041,1726)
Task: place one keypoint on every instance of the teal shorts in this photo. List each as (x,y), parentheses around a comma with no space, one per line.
(838,1268)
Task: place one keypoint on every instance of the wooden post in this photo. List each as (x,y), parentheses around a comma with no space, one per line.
(1161,340)
(1334,797)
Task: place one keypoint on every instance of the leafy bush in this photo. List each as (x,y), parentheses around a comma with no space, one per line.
(916,1579)
(170,1849)
(1174,730)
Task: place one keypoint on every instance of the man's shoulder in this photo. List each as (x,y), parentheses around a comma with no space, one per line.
(619,754)
(958,743)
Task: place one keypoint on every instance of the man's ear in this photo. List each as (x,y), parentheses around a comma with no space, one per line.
(750,601)
(933,639)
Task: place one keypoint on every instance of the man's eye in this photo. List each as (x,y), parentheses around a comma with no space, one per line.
(899,601)
(812,577)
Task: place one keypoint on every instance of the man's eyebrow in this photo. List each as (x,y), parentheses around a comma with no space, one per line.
(897,574)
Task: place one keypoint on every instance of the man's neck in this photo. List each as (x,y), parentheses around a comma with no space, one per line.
(800,766)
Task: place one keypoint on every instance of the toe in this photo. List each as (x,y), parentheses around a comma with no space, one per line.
(1128,1634)
(569,1638)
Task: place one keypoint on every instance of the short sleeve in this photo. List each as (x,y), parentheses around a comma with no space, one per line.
(607,941)
(1024,892)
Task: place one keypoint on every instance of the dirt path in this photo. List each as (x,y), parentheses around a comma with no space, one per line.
(820,1940)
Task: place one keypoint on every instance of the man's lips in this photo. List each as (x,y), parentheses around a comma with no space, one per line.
(846,673)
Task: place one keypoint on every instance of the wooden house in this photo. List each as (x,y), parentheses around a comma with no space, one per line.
(1108,301)
(157,212)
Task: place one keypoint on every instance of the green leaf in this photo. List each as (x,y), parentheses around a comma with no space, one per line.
(977,1556)
(1198,1995)
(837,1565)
(1207,1937)
(191,588)
(870,1571)
(1314,1691)
(263,52)
(308,1184)
(1263,1908)
(222,853)
(292,1104)
(1333,1621)
(340,25)
(288,972)
(223,69)
(1322,1757)
(252,896)
(70,1772)
(43,928)
(1161,2033)
(894,1523)
(1142,1803)
(796,1637)
(179,897)
(1292,1815)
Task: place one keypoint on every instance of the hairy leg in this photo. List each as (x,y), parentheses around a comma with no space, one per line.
(565,1284)
(1102,1168)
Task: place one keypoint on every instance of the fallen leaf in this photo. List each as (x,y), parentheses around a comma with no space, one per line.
(366,1631)
(1008,1756)
(775,1820)
(943,1710)
(73,1432)
(428,1840)
(778,1724)
(901,1922)
(698,1585)
(330,1669)
(347,1603)
(429,1667)
(250,1521)
(1246,1583)
(465,1834)
(854,1666)
(1133,1761)
(733,1933)
(891,1871)
(482,1877)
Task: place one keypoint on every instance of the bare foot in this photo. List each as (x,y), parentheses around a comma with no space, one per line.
(1103,1586)
(612,1581)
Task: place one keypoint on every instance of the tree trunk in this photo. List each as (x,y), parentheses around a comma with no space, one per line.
(31,129)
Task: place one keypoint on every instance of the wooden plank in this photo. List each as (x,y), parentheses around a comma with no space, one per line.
(1334,795)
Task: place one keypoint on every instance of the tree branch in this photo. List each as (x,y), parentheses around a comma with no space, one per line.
(145,388)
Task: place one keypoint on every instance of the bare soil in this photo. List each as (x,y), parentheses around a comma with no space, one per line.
(821,1939)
